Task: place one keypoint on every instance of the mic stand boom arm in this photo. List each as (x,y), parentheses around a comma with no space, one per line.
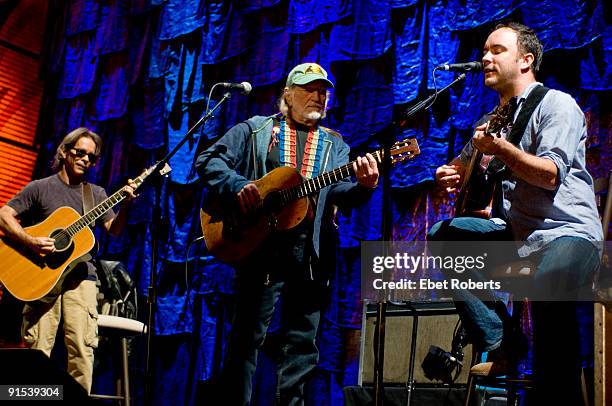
(424,103)
(162,162)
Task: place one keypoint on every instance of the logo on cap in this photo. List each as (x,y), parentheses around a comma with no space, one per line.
(314,69)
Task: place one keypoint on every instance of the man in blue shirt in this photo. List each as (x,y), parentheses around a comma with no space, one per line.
(548,209)
(290,261)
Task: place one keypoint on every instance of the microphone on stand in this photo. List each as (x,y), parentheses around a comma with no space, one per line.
(462,67)
(244,87)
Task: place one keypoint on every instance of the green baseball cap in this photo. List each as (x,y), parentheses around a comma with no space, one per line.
(306,73)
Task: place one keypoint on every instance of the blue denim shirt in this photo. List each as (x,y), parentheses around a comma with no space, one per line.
(228,165)
(555,131)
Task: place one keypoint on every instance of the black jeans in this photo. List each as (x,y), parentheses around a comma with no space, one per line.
(301,301)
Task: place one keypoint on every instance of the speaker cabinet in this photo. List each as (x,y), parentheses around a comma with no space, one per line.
(435,326)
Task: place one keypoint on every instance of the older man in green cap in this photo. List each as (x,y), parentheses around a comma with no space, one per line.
(296,263)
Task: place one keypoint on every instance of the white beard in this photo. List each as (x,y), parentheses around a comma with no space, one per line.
(314,115)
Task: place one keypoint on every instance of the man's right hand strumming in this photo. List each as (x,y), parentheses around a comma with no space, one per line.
(41,245)
(13,230)
(249,198)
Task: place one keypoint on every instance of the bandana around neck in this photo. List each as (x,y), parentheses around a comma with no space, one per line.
(311,161)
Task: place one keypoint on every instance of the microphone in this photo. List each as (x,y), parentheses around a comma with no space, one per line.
(462,67)
(244,87)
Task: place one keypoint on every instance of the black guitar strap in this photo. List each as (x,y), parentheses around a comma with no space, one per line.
(88,198)
(496,166)
(88,204)
(519,126)
(532,101)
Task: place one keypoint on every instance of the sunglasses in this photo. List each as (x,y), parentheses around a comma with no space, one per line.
(80,153)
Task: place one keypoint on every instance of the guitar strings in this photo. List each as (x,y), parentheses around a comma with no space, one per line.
(91,215)
(319,182)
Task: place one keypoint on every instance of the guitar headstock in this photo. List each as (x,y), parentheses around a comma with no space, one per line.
(501,117)
(405,149)
(163,171)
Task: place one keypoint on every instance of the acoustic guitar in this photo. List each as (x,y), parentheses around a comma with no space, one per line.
(30,276)
(284,192)
(478,187)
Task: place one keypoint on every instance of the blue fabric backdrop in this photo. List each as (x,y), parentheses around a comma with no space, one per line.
(139,72)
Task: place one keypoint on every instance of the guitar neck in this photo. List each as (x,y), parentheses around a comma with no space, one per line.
(317,183)
(98,211)
(91,216)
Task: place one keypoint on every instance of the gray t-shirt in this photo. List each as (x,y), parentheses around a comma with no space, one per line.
(555,131)
(38,199)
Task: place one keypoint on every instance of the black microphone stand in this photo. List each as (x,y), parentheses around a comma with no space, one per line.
(160,169)
(381,306)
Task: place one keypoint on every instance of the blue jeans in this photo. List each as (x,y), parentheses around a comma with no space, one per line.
(565,268)
(565,262)
(482,319)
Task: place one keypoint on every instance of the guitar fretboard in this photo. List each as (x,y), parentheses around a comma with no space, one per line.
(91,216)
(98,211)
(317,183)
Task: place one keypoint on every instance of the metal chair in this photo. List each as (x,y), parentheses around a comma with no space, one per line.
(512,384)
(120,328)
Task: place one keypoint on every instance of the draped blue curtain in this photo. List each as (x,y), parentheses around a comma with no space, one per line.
(139,73)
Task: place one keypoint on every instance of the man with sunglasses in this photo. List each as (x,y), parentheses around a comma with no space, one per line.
(74,302)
